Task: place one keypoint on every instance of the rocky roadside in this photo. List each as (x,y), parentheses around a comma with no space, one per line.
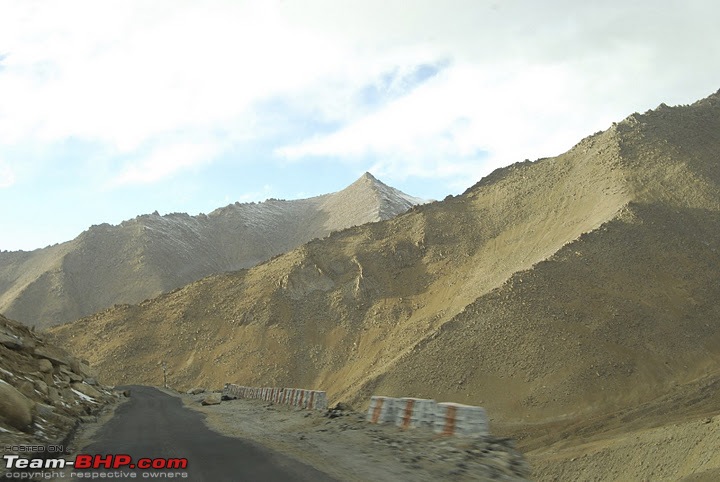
(44,392)
(342,444)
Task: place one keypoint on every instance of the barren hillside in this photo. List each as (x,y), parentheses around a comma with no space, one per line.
(555,293)
(151,254)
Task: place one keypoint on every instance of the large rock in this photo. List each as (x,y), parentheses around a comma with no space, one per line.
(56,355)
(81,368)
(74,377)
(15,408)
(27,388)
(11,341)
(212,399)
(86,389)
(41,387)
(45,365)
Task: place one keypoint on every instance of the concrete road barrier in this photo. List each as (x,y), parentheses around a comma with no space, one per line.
(296,397)
(316,400)
(415,412)
(381,410)
(443,418)
(458,419)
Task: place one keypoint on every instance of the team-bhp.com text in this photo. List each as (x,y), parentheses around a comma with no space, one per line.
(32,468)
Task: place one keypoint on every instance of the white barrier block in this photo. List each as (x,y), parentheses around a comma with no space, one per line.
(310,402)
(228,391)
(414,412)
(321,400)
(286,396)
(381,410)
(298,397)
(458,419)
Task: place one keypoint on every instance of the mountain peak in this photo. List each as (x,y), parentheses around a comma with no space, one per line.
(368,179)
(368,176)
(153,253)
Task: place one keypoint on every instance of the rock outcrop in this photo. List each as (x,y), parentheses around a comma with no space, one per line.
(44,391)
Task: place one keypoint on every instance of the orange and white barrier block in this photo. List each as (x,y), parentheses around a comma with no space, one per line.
(458,419)
(414,412)
(381,410)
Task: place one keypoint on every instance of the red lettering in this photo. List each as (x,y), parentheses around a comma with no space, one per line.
(177,463)
(110,461)
(83,461)
(106,462)
(121,460)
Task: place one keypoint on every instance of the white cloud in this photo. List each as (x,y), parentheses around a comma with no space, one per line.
(7,175)
(524,79)
(463,122)
(123,73)
(165,161)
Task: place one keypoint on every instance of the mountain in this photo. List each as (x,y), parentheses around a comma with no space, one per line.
(151,254)
(566,295)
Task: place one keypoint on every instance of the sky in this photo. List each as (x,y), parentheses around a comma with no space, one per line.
(112,109)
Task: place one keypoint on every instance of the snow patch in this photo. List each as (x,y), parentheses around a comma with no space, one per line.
(83,396)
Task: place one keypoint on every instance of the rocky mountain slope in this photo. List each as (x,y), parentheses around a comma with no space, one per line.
(561,294)
(151,254)
(44,392)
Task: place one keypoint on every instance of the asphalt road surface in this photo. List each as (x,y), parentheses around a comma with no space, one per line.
(153,424)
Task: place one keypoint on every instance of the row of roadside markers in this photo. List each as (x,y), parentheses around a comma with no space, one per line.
(443,418)
(296,397)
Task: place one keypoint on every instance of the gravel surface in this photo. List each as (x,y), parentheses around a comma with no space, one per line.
(343,445)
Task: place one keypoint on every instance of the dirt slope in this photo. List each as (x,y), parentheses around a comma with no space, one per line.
(553,293)
(151,254)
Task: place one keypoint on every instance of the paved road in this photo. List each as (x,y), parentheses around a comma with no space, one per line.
(154,424)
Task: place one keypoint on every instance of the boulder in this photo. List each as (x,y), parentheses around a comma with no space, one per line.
(212,399)
(53,395)
(41,387)
(15,408)
(11,341)
(195,391)
(45,365)
(55,355)
(81,368)
(86,389)
(27,388)
(44,411)
(74,377)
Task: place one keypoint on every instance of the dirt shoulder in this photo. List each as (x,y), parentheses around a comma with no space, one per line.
(343,445)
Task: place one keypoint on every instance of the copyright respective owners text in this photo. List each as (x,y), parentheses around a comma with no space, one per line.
(28,462)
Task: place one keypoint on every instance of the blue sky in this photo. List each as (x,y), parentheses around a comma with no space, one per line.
(117,108)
